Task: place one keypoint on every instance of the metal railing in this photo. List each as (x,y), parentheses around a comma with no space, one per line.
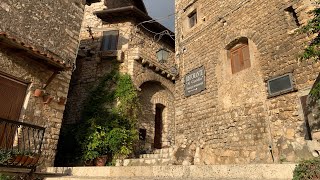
(20,144)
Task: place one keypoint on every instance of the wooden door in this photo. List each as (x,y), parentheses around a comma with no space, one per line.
(12,95)
(158,126)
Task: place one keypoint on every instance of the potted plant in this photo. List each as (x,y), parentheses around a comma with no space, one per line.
(24,159)
(4,156)
(109,127)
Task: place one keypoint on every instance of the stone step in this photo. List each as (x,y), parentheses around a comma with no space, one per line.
(156,156)
(163,151)
(219,172)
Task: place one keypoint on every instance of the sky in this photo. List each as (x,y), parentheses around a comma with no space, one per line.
(161,9)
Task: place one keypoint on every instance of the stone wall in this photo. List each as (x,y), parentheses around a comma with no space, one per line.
(53,28)
(136,47)
(234,120)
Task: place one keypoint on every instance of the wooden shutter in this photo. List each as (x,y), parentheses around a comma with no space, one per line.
(12,95)
(245,56)
(235,61)
(240,58)
(110,40)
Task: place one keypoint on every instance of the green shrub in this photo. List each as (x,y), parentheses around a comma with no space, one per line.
(109,119)
(307,170)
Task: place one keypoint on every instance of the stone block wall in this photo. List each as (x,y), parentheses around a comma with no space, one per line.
(136,45)
(234,120)
(51,27)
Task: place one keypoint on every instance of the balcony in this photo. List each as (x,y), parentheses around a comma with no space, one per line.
(20,144)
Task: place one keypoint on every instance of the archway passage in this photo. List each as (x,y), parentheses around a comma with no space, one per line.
(157,117)
(158,126)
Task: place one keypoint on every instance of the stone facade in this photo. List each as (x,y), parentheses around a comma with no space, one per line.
(235,120)
(45,38)
(135,55)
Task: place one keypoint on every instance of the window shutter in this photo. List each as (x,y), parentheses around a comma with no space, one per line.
(246,57)
(110,40)
(13,93)
(235,61)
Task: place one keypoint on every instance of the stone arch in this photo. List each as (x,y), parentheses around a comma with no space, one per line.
(236,41)
(147,76)
(235,36)
(152,94)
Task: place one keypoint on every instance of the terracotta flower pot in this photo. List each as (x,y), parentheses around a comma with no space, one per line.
(38,93)
(100,161)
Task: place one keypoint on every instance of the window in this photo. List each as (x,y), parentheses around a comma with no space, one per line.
(240,56)
(292,17)
(192,19)
(110,40)
(280,85)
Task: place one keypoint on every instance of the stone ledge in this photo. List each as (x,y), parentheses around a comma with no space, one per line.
(252,171)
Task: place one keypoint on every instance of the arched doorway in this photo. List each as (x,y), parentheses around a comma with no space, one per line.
(158,128)
(156,122)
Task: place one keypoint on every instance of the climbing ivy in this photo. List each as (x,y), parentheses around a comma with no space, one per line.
(109,118)
(312,28)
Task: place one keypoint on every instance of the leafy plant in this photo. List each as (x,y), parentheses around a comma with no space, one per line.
(4,156)
(307,170)
(109,118)
(313,28)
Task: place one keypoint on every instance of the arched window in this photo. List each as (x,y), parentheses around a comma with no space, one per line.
(239,55)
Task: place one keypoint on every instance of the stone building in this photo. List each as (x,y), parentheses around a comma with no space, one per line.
(38,46)
(122,33)
(241,91)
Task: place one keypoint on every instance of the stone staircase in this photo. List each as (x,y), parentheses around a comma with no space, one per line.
(213,172)
(159,157)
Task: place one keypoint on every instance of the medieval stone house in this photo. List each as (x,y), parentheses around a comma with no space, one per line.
(241,92)
(122,32)
(38,46)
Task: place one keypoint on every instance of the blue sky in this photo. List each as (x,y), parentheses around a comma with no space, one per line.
(161,9)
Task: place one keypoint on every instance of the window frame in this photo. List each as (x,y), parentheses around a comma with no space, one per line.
(285,91)
(105,36)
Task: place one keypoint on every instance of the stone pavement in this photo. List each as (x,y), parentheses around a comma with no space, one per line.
(215,172)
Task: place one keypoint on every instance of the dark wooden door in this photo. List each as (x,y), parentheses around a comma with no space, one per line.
(12,95)
(158,127)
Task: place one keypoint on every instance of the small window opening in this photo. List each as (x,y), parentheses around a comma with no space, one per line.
(110,40)
(280,85)
(293,16)
(192,19)
(142,134)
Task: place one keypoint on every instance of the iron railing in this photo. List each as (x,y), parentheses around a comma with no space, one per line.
(20,144)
